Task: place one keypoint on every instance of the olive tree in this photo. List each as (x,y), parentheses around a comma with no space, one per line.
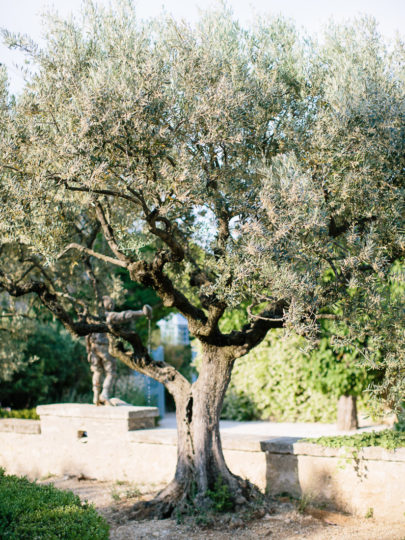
(224,168)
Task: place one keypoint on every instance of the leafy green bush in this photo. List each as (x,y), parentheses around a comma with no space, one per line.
(273,382)
(280,381)
(386,438)
(53,369)
(27,414)
(29,511)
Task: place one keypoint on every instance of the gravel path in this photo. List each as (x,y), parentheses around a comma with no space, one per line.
(283,522)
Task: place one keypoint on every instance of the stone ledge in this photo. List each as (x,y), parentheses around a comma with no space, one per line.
(20,425)
(297,447)
(280,445)
(162,436)
(86,410)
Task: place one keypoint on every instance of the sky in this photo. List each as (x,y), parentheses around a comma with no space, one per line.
(23,16)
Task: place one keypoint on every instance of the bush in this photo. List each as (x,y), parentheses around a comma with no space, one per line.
(53,369)
(132,390)
(279,381)
(273,383)
(29,511)
(26,414)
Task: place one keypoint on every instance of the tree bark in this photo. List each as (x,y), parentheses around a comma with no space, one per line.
(200,461)
(347,413)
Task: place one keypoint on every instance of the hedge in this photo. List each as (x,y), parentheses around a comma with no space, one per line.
(29,511)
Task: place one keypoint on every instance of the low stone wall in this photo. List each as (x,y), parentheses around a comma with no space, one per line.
(103,443)
(371,481)
(20,425)
(106,443)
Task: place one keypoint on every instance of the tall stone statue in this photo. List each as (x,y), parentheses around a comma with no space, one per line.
(100,360)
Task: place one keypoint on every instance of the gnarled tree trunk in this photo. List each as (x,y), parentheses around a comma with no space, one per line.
(200,460)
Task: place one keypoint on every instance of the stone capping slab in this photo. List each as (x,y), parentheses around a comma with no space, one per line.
(295,446)
(20,425)
(236,442)
(153,436)
(86,410)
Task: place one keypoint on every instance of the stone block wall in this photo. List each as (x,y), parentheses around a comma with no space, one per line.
(371,479)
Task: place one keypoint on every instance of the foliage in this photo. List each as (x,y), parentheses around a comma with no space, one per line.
(386,438)
(136,296)
(370,513)
(15,326)
(293,152)
(337,372)
(275,382)
(27,414)
(221,496)
(53,368)
(400,423)
(224,168)
(239,405)
(180,356)
(28,510)
(132,391)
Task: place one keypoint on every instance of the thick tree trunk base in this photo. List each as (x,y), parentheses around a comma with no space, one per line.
(202,483)
(185,500)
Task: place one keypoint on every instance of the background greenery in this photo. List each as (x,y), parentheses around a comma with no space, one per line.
(281,380)
(53,368)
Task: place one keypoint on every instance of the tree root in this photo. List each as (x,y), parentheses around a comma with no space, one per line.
(183,500)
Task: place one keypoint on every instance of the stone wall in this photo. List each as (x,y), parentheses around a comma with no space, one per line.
(369,481)
(103,443)
(110,443)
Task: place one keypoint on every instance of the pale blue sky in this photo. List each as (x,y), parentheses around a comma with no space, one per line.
(24,16)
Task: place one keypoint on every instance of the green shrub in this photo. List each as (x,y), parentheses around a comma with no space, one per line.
(273,382)
(27,414)
(53,369)
(29,511)
(134,391)
(280,381)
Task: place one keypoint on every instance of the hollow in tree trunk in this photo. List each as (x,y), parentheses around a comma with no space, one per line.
(347,413)
(201,467)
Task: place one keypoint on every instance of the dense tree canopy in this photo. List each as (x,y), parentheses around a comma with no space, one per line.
(225,169)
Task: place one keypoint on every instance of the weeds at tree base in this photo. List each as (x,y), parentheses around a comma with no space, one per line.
(221,496)
(219,507)
(370,513)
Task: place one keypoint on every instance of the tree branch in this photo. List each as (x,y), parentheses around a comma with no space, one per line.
(109,235)
(108,192)
(92,253)
(151,275)
(252,334)
(51,301)
(141,361)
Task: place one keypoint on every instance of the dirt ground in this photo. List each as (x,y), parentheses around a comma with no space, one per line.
(282,522)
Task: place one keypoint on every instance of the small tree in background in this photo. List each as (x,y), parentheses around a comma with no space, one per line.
(223,168)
